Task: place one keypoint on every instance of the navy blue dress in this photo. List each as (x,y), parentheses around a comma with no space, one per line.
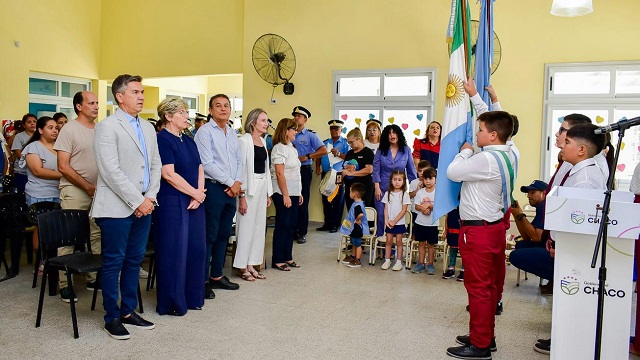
(179,234)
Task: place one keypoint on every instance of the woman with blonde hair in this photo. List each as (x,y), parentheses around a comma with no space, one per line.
(372,139)
(255,196)
(287,193)
(179,221)
(358,167)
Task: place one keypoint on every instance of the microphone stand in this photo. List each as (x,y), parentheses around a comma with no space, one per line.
(601,240)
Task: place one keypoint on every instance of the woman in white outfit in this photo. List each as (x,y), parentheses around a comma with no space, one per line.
(254,198)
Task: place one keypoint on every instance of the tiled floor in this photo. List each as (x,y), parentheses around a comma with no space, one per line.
(322,310)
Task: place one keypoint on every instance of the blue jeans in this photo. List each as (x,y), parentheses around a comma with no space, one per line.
(124,241)
(219,212)
(32,200)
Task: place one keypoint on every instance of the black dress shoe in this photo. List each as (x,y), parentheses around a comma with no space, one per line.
(499,308)
(208,291)
(302,239)
(224,283)
(469,352)
(464,340)
(196,308)
(333,230)
(323,228)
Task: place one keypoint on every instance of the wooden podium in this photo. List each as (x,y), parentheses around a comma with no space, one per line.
(573,216)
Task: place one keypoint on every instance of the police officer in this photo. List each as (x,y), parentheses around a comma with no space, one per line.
(309,147)
(338,147)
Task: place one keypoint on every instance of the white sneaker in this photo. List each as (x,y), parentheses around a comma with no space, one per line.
(386,265)
(143,273)
(397,266)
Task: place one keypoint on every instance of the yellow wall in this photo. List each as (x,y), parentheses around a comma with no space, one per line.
(198,85)
(171,38)
(62,37)
(228,84)
(345,34)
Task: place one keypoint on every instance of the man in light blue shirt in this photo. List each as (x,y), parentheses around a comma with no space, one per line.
(309,147)
(338,148)
(220,156)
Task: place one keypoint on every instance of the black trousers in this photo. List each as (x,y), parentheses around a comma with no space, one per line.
(286,217)
(303,213)
(333,209)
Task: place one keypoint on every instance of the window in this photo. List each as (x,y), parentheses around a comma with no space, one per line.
(49,94)
(605,92)
(192,101)
(404,97)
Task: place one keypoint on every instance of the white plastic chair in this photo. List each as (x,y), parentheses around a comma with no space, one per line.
(440,251)
(367,240)
(381,241)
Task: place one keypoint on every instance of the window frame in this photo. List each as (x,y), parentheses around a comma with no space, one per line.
(383,102)
(609,102)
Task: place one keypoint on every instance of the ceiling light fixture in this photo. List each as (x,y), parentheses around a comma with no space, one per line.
(571,8)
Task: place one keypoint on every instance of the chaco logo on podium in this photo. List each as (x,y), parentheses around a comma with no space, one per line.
(570,285)
(577,217)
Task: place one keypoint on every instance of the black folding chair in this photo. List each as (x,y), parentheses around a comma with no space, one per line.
(35,210)
(13,220)
(66,228)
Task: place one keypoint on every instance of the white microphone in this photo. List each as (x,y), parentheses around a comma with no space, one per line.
(624,124)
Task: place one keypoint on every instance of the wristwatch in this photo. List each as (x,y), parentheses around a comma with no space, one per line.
(242,195)
(308,156)
(521,216)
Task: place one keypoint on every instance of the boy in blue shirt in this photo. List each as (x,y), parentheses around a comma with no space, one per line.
(352,225)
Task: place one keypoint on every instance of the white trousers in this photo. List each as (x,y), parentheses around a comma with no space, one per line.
(250,227)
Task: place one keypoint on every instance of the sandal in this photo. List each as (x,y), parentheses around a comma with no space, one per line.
(257,274)
(282,267)
(246,276)
(293,264)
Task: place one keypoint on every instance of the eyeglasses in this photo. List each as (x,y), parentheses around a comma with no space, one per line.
(561,130)
(351,142)
(292,128)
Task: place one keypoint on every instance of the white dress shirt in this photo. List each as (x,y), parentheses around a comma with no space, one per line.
(481,195)
(586,175)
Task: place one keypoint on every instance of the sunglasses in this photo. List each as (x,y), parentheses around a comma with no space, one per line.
(562,129)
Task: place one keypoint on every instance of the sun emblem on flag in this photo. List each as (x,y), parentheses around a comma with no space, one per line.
(454,92)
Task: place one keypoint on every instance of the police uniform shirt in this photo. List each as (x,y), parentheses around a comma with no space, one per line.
(307,142)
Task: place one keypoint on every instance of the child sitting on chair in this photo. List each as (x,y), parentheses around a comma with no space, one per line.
(396,201)
(352,225)
(425,232)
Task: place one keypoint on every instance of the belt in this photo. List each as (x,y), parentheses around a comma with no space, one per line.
(213,181)
(479,222)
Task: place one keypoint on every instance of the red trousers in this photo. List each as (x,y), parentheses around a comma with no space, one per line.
(482,248)
(636,341)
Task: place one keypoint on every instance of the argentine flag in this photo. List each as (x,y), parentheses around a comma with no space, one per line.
(457,126)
